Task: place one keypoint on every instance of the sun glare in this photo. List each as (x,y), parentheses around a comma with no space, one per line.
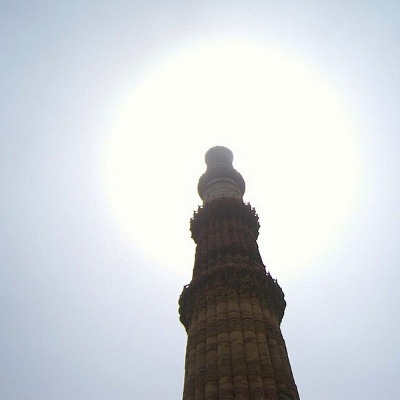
(291,136)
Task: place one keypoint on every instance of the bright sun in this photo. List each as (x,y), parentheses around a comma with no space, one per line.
(291,136)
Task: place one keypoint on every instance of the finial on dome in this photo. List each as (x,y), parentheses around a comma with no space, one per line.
(220,179)
(218,154)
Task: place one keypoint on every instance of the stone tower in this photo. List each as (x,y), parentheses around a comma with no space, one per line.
(232,308)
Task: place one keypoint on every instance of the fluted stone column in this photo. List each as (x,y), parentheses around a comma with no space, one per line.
(232,308)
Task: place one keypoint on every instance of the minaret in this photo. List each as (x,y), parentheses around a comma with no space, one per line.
(232,308)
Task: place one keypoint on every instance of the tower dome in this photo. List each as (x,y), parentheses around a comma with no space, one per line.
(220,178)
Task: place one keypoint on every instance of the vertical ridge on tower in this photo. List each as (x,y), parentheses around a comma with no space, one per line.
(232,308)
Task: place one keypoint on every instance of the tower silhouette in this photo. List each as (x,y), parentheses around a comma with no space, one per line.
(232,308)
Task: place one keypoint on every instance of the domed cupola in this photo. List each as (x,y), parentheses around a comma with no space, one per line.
(220,178)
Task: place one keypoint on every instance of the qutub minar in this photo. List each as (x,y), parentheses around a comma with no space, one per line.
(232,308)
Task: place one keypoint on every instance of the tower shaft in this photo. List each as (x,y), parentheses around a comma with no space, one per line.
(232,308)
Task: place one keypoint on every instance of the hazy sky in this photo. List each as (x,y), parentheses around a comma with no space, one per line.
(107,109)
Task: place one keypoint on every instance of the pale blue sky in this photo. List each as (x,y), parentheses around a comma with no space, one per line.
(86,311)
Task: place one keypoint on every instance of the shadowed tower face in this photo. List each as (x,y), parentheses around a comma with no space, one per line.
(232,308)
